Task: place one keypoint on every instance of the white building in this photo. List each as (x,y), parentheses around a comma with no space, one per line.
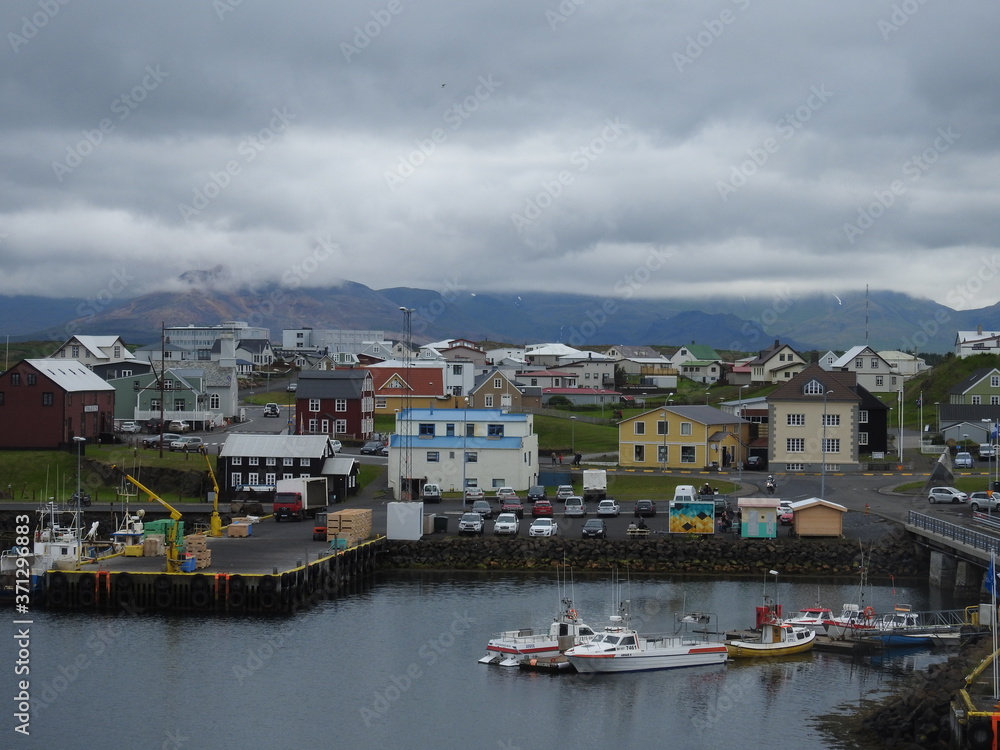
(458,448)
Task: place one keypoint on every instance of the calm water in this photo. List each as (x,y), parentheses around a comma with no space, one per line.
(396,666)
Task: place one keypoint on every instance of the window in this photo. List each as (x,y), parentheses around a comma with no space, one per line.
(639,453)
(497,383)
(831,420)
(796,420)
(977,400)
(236,461)
(48,399)
(339,427)
(288,462)
(313,426)
(994,381)
(686,428)
(862,438)
(314,404)
(180,404)
(471,457)
(271,461)
(32,378)
(76,352)
(235,479)
(433,457)
(425,429)
(214,401)
(15,378)
(859,363)
(794,467)
(304,462)
(813,388)
(795,445)
(253,460)
(470,429)
(1,398)
(488,401)
(253,477)
(662,427)
(863,416)
(269,478)
(456,369)
(494,430)
(340,404)
(688,454)
(879,380)
(380,402)
(874,363)
(831,445)
(994,400)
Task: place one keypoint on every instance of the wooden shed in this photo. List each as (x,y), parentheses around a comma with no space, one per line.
(758,517)
(816,517)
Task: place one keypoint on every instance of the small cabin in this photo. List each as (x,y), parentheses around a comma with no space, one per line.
(758,517)
(816,517)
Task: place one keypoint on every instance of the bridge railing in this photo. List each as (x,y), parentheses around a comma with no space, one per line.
(960,534)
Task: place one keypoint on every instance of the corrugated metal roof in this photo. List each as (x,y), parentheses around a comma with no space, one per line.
(279,446)
(70,375)
(339,466)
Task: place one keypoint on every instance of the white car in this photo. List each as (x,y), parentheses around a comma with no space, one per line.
(128,427)
(574,506)
(608,507)
(543,527)
(564,491)
(474,493)
(984,501)
(471,523)
(506,523)
(946,495)
(336,446)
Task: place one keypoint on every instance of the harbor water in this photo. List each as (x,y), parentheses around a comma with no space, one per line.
(395,665)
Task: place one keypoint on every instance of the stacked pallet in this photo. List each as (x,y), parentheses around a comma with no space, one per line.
(353,524)
(153,545)
(196,545)
(238,529)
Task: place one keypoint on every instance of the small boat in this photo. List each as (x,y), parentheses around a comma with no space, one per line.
(511,647)
(53,545)
(620,648)
(775,638)
(812,617)
(853,621)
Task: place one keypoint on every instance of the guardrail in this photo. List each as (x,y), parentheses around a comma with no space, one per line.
(960,534)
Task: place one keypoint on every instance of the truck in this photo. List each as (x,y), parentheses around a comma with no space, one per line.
(595,484)
(299,498)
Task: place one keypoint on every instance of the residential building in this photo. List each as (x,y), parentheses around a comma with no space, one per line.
(592,371)
(549,355)
(46,403)
(335,403)
(258,461)
(548,378)
(199,340)
(694,352)
(776,364)
(204,395)
(904,363)
(91,351)
(821,416)
(873,372)
(702,371)
(398,387)
(970,343)
(328,341)
(498,389)
(682,437)
(458,448)
(584,396)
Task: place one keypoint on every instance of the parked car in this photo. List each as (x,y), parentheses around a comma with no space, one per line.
(785,513)
(271,410)
(608,507)
(594,528)
(474,493)
(543,527)
(471,523)
(644,509)
(512,505)
(336,446)
(986,450)
(984,501)
(187,443)
(128,427)
(542,508)
(506,523)
(537,493)
(505,492)
(431,493)
(963,460)
(292,387)
(574,506)
(483,508)
(563,491)
(179,426)
(755,463)
(947,495)
(372,448)
(154,440)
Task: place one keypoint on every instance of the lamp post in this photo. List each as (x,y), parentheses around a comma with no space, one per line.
(79,521)
(822,480)
(937,413)
(706,398)
(900,425)
(465,446)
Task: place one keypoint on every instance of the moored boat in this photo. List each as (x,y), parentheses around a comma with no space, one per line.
(774,638)
(511,647)
(812,617)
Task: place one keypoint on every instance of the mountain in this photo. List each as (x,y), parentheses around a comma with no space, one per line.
(885,320)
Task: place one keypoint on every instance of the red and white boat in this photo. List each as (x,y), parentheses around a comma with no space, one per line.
(853,621)
(811,617)
(511,647)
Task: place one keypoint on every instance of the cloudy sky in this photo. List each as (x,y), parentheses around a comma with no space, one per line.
(607,147)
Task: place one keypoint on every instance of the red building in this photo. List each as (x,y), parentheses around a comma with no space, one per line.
(337,403)
(45,403)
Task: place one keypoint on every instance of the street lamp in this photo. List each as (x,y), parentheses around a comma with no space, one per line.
(822,481)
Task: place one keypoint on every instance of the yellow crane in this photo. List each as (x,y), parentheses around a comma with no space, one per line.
(215,525)
(173,563)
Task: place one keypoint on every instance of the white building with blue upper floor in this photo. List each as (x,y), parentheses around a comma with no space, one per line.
(456,448)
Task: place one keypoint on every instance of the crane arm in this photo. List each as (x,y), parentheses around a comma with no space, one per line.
(175,514)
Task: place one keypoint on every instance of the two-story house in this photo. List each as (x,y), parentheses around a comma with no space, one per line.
(47,403)
(970,343)
(204,395)
(498,389)
(973,407)
(336,403)
(682,437)
(398,387)
(776,364)
(90,351)
(821,417)
(458,448)
(873,372)
(257,461)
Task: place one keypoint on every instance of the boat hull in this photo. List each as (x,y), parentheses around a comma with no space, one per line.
(694,656)
(749,649)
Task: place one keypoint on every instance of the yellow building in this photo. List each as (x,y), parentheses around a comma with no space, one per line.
(683,437)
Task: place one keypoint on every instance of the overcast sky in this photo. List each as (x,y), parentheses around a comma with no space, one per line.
(607,147)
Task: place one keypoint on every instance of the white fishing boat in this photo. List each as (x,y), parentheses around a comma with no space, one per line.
(811,617)
(620,648)
(55,544)
(511,647)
